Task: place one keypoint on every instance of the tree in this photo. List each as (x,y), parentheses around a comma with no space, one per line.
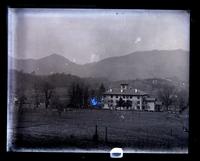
(55,101)
(102,89)
(99,93)
(20,89)
(166,95)
(72,94)
(85,96)
(182,99)
(47,90)
(21,100)
(36,95)
(92,93)
(57,104)
(78,95)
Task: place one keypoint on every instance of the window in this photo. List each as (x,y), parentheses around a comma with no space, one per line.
(130,96)
(116,96)
(111,96)
(138,107)
(138,97)
(138,102)
(111,101)
(123,96)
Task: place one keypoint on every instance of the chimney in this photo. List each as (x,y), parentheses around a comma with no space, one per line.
(124,86)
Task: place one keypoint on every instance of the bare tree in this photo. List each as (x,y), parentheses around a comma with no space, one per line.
(86,96)
(36,95)
(166,95)
(182,99)
(47,90)
(20,90)
(21,100)
(57,104)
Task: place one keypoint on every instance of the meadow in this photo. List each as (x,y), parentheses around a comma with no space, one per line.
(89,129)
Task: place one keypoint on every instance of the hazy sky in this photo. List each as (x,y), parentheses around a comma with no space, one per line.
(86,36)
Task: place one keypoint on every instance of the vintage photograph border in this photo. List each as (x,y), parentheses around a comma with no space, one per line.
(193,134)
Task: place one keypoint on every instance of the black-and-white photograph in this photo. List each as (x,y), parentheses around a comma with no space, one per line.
(90,80)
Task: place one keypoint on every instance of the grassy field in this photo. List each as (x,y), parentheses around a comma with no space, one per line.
(73,129)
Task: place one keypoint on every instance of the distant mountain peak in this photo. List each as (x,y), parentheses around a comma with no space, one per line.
(54,55)
(137,65)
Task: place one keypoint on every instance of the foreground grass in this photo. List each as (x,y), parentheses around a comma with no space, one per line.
(76,129)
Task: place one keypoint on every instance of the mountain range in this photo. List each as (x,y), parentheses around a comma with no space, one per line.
(137,65)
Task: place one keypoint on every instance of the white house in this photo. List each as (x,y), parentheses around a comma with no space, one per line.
(127,98)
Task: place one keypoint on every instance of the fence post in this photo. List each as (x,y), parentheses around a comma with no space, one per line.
(95,137)
(96,130)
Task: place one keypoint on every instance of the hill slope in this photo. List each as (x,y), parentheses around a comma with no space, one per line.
(137,65)
(142,65)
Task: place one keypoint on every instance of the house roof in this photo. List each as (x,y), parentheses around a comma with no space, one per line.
(133,92)
(150,99)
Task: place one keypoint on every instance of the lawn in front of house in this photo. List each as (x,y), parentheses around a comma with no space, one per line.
(47,129)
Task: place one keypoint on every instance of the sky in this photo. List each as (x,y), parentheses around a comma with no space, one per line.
(89,35)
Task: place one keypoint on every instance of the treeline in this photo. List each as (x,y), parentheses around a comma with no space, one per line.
(61,90)
(74,91)
(81,95)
